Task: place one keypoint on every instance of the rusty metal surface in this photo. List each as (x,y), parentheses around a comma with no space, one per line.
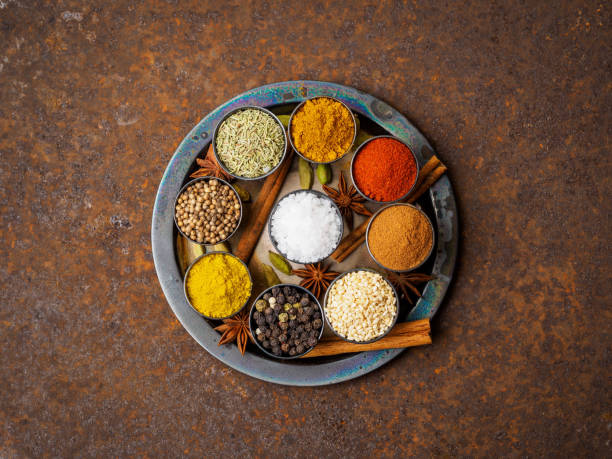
(515,97)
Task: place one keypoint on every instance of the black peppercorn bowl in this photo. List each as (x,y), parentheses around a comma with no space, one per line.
(360,148)
(299,107)
(397,308)
(239,109)
(254,326)
(200,179)
(367,237)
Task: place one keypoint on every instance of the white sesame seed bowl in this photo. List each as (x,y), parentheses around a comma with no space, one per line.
(361,306)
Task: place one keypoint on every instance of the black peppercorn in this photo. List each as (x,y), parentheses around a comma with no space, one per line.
(316,315)
(268,332)
(317,323)
(269,318)
(276,350)
(282,338)
(312,341)
(274,342)
(284,325)
(267,296)
(261,337)
(304,301)
(285,348)
(292,351)
(275,291)
(287,290)
(307,326)
(266,344)
(299,348)
(292,323)
(261,321)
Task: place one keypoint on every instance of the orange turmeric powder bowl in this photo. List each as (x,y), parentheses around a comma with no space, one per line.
(322,130)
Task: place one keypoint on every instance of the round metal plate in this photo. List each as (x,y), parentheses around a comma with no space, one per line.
(162,234)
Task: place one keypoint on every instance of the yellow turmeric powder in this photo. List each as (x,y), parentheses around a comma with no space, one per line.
(322,130)
(218,285)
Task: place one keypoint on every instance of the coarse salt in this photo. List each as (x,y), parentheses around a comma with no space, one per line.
(306,227)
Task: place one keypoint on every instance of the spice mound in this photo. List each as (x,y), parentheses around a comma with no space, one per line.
(218,285)
(305,227)
(289,321)
(384,169)
(250,143)
(208,211)
(361,306)
(322,130)
(400,237)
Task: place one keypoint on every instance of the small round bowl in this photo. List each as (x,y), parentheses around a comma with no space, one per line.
(253,325)
(199,179)
(214,142)
(296,109)
(433,239)
(357,154)
(207,255)
(397,303)
(321,195)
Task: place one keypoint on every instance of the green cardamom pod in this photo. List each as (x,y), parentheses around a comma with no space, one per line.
(306,174)
(284,119)
(279,262)
(244,195)
(324,173)
(270,275)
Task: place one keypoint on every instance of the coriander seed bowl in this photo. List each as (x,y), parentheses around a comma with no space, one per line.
(259,324)
(421,262)
(356,184)
(182,227)
(290,132)
(235,310)
(326,300)
(215,139)
(302,226)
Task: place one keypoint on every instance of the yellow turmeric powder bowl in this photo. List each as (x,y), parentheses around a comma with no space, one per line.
(217,285)
(322,130)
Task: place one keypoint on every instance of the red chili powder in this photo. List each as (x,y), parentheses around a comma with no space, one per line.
(384,169)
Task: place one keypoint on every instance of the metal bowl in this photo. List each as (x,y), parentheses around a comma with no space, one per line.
(397,304)
(253,325)
(353,165)
(198,180)
(214,142)
(321,195)
(296,109)
(433,240)
(187,275)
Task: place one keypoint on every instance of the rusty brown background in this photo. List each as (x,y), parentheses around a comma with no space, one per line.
(516,98)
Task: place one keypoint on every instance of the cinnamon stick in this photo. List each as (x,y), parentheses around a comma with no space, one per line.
(404,334)
(429,174)
(427,182)
(261,209)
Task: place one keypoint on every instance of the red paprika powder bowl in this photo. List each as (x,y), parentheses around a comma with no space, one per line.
(384,169)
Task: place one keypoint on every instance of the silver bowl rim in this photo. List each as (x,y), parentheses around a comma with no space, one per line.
(198,179)
(217,252)
(322,195)
(214,142)
(260,296)
(397,305)
(433,237)
(358,150)
(298,107)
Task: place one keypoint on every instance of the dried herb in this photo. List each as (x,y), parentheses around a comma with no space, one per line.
(279,262)
(408,282)
(236,328)
(315,278)
(348,200)
(209,167)
(250,143)
(270,275)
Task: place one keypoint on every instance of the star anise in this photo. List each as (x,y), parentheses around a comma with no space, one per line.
(315,278)
(348,200)
(210,167)
(236,328)
(408,282)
